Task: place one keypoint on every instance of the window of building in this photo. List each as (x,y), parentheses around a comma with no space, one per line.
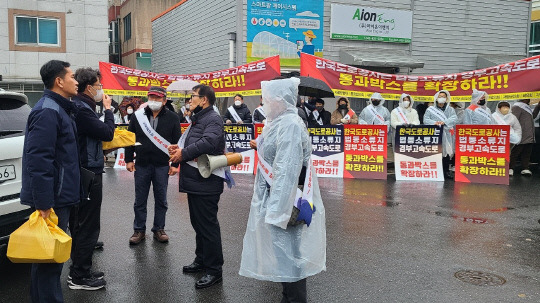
(534,43)
(36,30)
(127,27)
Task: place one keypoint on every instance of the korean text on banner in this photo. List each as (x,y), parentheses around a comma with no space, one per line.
(512,80)
(244,79)
(418,153)
(237,139)
(327,150)
(365,151)
(482,153)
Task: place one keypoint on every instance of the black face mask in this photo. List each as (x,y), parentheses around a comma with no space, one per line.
(319,108)
(197,109)
(481,102)
(376,103)
(343,106)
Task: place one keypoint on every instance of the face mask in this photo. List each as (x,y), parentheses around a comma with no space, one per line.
(154,105)
(130,111)
(237,103)
(376,102)
(481,102)
(343,106)
(187,106)
(319,108)
(441,100)
(406,104)
(505,110)
(261,104)
(197,109)
(99,95)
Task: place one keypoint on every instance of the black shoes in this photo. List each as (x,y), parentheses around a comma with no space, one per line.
(99,245)
(193,267)
(207,281)
(89,283)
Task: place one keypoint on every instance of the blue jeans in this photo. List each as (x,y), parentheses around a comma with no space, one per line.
(46,286)
(159,177)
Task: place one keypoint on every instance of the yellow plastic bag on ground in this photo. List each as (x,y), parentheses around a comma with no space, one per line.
(39,240)
(122,138)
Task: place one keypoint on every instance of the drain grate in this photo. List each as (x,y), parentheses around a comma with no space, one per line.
(479,278)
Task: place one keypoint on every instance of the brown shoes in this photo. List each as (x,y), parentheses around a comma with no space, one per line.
(138,237)
(161,236)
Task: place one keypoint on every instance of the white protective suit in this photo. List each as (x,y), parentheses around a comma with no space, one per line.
(367,116)
(410,113)
(478,114)
(508,119)
(434,114)
(272,250)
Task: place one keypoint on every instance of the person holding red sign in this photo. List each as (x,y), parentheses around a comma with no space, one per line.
(375,113)
(443,114)
(503,116)
(478,113)
(343,113)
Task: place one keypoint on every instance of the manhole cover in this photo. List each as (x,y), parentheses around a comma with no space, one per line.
(479,278)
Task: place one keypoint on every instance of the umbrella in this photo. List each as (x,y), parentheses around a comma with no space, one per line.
(312,87)
(182,86)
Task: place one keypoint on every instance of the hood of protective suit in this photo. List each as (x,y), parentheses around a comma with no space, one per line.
(401,100)
(279,96)
(498,110)
(476,95)
(348,103)
(378,97)
(448,97)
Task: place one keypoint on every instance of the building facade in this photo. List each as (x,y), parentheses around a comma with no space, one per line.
(131,30)
(36,31)
(447,36)
(534,37)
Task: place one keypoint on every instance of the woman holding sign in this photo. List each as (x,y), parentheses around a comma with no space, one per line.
(442,114)
(343,113)
(285,238)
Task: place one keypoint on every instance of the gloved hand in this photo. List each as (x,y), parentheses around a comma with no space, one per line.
(344,121)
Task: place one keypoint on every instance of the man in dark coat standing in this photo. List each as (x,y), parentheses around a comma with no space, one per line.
(238,113)
(50,165)
(205,136)
(320,116)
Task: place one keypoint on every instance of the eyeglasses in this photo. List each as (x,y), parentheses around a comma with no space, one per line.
(198,96)
(100,85)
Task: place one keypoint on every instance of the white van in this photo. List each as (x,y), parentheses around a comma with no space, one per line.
(14,111)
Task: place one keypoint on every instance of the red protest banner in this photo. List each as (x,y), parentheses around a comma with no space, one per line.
(245,79)
(512,80)
(482,153)
(365,151)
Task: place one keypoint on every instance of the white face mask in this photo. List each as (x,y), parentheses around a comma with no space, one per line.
(130,111)
(441,100)
(406,104)
(99,95)
(154,105)
(237,102)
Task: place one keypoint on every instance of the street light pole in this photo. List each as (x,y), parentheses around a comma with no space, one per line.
(232,52)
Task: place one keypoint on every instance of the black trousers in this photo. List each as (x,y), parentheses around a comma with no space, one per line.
(446,164)
(294,292)
(84,224)
(523,152)
(203,215)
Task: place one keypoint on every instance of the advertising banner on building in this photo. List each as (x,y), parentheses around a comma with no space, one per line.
(357,22)
(237,139)
(482,153)
(327,150)
(418,153)
(245,79)
(365,150)
(285,28)
(512,80)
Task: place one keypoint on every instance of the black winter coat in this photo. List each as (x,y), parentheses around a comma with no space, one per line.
(324,115)
(206,136)
(243,112)
(257,116)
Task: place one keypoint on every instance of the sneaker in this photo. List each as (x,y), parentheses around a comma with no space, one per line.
(94,274)
(161,236)
(137,237)
(526,172)
(510,172)
(90,283)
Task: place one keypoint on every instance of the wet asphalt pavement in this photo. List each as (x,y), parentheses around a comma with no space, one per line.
(388,241)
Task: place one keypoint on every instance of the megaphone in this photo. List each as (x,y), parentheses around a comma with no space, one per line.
(207,163)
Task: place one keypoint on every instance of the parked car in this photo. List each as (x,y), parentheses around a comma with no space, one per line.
(14,111)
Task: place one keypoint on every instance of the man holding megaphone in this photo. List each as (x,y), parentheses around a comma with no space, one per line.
(203,137)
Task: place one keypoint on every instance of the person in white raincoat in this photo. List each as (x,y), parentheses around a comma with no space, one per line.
(441,113)
(375,112)
(503,116)
(404,114)
(478,113)
(274,251)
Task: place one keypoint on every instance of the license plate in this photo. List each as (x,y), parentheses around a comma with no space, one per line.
(7,172)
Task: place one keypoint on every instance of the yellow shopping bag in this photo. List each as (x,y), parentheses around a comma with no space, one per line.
(39,240)
(122,138)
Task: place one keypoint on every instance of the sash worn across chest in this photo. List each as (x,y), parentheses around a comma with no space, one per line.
(152,134)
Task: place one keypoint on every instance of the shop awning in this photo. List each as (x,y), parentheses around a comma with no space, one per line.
(484,61)
(378,57)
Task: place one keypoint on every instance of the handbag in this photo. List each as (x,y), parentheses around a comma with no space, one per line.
(293,221)
(87,177)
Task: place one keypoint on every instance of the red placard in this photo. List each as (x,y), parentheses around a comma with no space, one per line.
(482,153)
(512,80)
(365,151)
(245,79)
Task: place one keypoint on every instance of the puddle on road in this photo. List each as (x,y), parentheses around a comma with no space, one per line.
(473,220)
